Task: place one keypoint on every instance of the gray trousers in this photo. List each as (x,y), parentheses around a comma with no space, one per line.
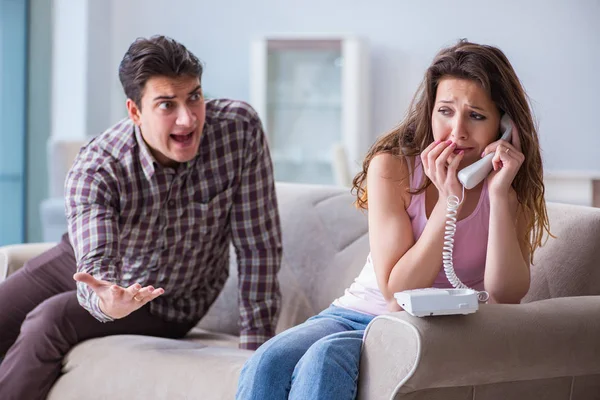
(41,320)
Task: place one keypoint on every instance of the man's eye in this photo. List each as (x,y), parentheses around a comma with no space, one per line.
(165,105)
(195,97)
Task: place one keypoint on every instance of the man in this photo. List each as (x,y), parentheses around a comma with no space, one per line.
(152,205)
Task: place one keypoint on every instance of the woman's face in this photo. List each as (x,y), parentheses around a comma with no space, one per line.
(465,114)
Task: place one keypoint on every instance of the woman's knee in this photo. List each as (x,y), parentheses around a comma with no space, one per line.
(333,351)
(267,360)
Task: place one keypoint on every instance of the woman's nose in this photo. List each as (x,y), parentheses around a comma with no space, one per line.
(459,129)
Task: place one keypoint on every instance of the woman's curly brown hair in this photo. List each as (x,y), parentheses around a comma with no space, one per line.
(489,67)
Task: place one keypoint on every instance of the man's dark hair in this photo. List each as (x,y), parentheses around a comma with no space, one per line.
(156,56)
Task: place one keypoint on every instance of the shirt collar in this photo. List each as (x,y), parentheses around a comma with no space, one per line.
(146,158)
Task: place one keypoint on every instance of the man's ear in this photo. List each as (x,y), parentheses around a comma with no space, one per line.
(134,112)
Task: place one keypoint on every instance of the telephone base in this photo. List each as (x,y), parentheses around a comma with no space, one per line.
(435,301)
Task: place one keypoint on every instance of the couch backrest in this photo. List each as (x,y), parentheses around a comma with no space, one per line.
(325,244)
(568,265)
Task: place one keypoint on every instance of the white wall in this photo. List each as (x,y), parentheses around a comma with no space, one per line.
(81,68)
(99,66)
(69,69)
(553,45)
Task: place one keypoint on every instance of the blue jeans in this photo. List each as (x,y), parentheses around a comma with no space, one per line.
(318,359)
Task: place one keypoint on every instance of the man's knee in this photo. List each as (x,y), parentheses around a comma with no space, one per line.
(57,262)
(48,318)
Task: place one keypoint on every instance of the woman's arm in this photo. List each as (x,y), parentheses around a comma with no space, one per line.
(400,263)
(507,275)
(507,262)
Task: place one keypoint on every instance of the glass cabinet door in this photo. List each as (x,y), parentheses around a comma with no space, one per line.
(304,108)
(13,16)
(311,96)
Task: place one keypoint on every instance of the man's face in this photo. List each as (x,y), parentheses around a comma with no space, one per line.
(171,118)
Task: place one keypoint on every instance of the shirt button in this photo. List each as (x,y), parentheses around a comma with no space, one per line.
(171,203)
(170,232)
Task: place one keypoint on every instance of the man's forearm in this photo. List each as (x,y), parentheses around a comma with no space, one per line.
(260,296)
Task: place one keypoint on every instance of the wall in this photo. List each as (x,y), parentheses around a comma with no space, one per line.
(38,112)
(553,45)
(70,78)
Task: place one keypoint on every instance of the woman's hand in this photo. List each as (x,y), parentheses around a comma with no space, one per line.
(506,163)
(440,164)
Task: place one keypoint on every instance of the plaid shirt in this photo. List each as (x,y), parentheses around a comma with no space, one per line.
(132,220)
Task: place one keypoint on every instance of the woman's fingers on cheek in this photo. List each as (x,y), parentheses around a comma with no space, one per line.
(490,149)
(432,155)
(496,161)
(432,145)
(428,149)
(424,160)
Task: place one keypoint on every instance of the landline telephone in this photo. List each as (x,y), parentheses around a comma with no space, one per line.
(461,299)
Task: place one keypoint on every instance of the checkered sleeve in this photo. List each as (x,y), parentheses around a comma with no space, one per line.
(256,234)
(91,202)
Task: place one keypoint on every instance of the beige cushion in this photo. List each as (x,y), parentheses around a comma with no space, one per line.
(202,366)
(325,245)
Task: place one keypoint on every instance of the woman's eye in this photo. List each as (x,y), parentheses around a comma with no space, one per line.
(444,111)
(477,117)
(165,105)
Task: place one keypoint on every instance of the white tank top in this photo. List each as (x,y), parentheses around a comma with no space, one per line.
(364,294)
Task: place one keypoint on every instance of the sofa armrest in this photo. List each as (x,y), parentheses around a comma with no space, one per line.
(499,343)
(14,256)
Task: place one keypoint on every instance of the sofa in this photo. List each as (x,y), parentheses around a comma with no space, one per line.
(546,348)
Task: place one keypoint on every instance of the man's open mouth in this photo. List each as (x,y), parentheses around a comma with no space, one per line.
(182,138)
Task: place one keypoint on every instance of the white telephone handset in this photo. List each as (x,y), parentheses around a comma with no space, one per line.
(461,299)
(470,176)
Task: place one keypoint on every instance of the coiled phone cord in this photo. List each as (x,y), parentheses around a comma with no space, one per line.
(452,203)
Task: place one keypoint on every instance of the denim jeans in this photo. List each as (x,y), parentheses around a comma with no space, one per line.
(318,359)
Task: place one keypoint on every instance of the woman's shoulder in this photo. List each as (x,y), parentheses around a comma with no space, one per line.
(391,165)
(390,174)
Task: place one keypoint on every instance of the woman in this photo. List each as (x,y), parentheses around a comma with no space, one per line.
(407,178)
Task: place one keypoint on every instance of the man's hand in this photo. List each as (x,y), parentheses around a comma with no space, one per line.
(115,301)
